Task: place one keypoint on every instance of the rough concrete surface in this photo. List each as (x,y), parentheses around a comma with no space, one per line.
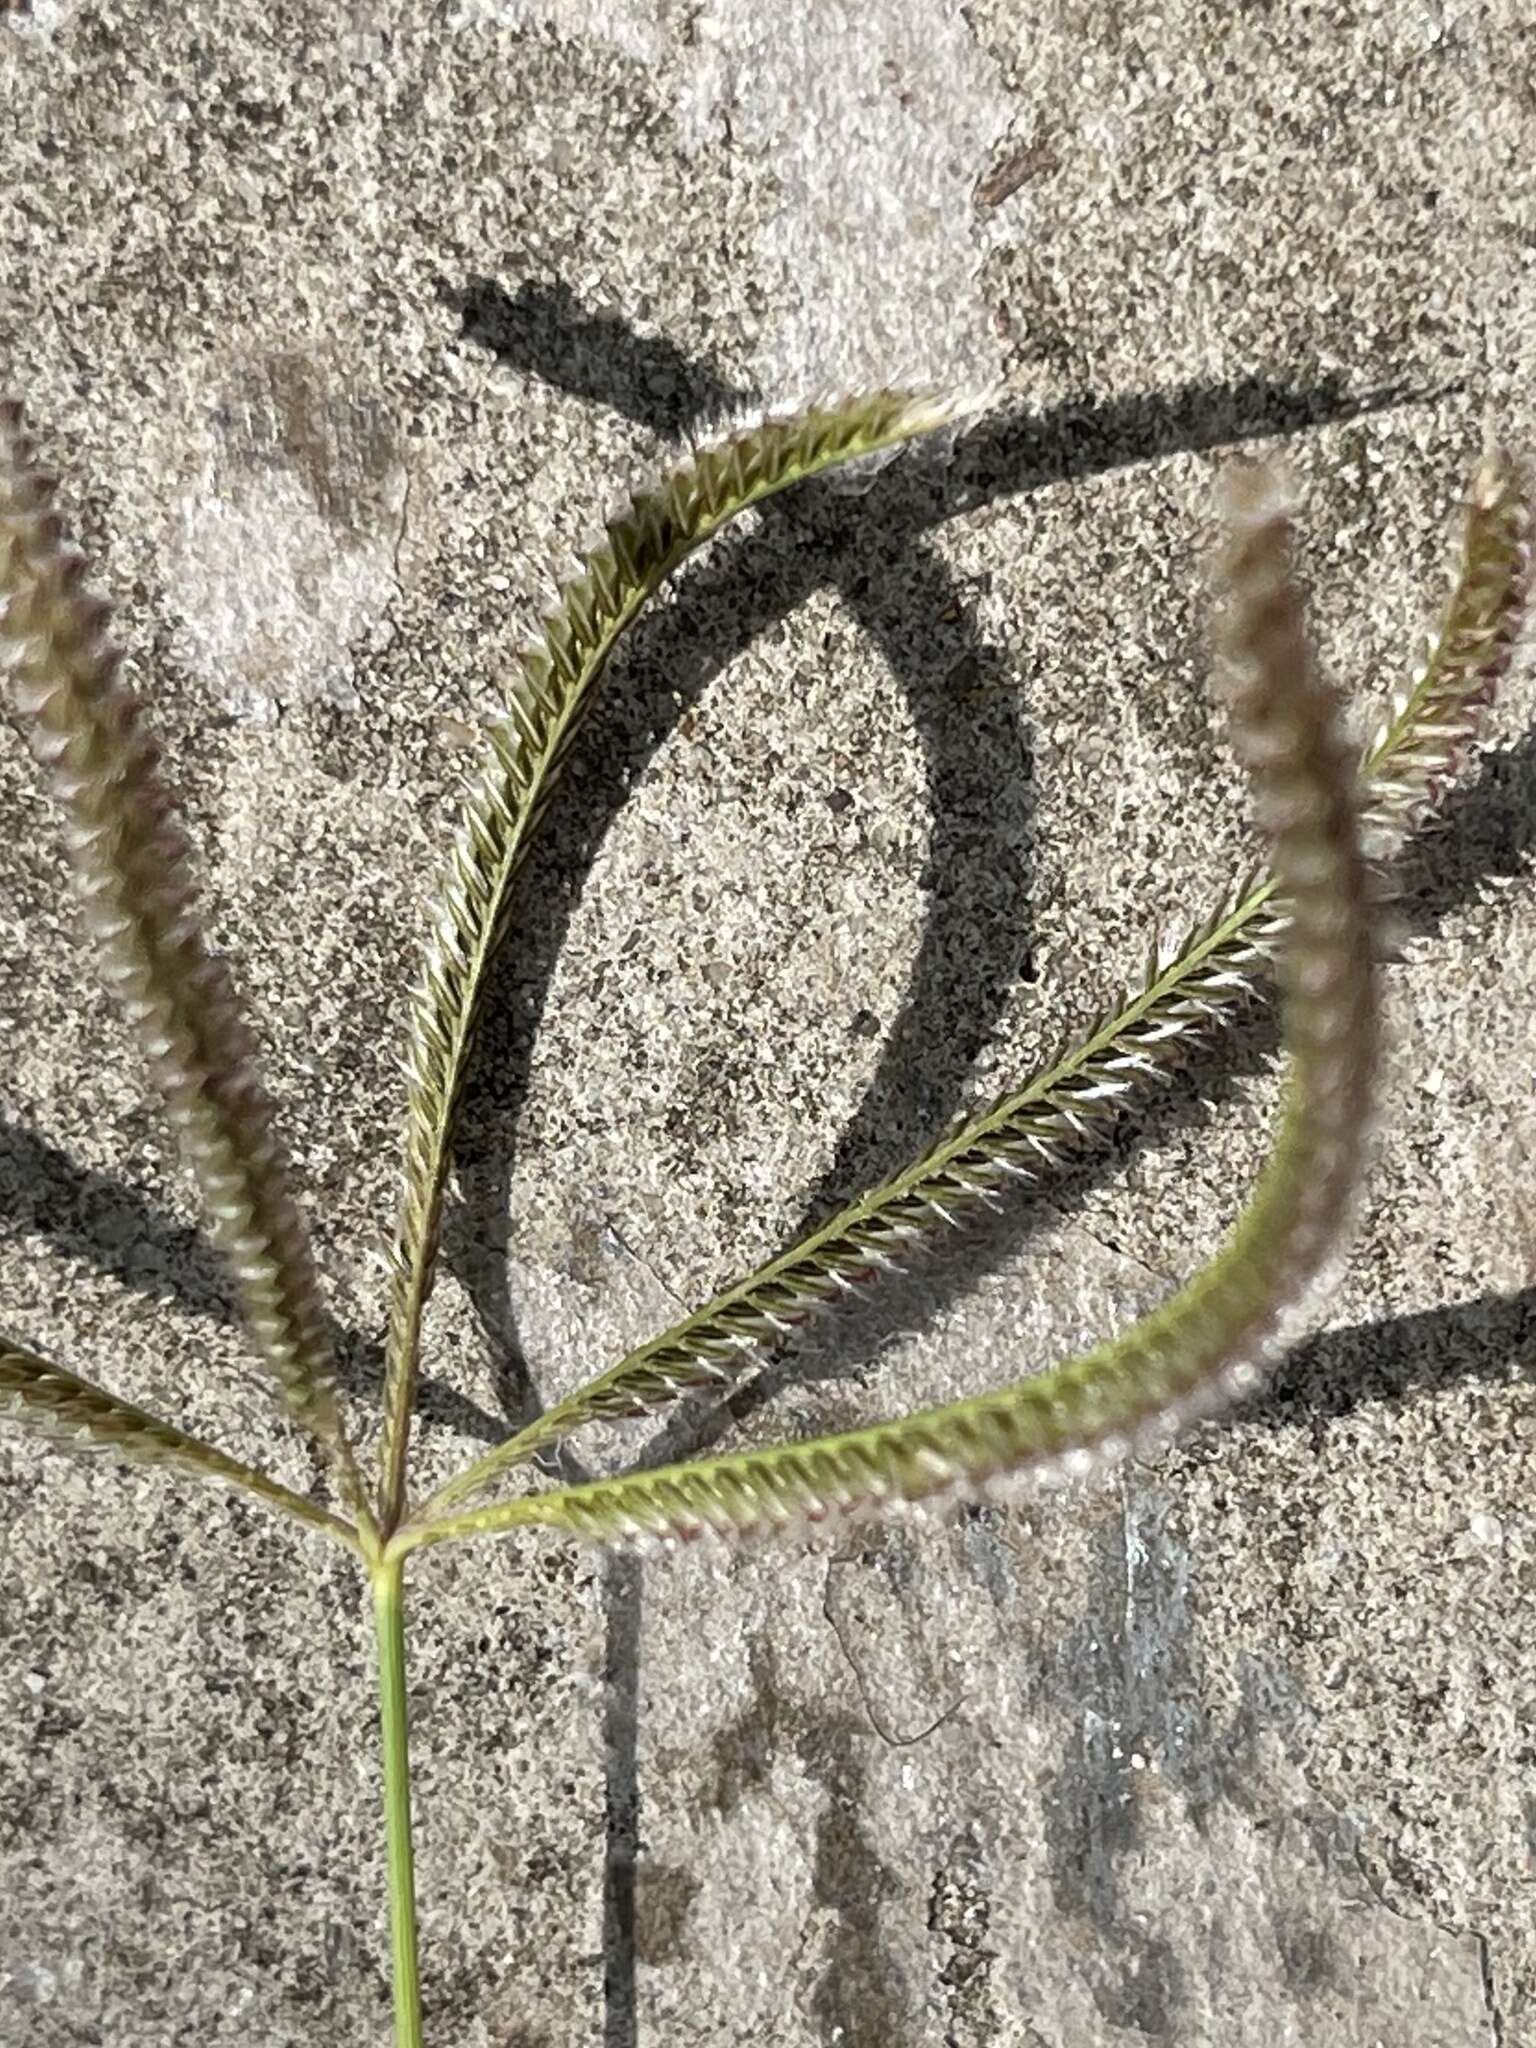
(341,323)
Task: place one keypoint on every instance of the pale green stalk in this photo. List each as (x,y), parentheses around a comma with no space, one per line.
(394,1737)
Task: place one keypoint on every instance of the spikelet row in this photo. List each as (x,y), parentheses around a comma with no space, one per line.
(1434,723)
(644,542)
(131,864)
(72,1414)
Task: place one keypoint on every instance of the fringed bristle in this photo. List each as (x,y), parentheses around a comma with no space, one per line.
(1436,723)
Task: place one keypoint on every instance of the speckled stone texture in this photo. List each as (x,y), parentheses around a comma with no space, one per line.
(342,324)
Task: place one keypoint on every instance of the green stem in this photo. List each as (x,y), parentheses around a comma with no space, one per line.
(389,1627)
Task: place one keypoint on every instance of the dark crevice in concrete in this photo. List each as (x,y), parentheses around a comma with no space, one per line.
(1490,1991)
(960,1914)
(622,1619)
(1126,1679)
(859,1997)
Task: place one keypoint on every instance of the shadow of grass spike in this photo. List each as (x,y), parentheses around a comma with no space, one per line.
(1208,1341)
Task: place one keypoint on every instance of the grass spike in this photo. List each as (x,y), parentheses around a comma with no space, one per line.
(131,865)
(647,540)
(1421,745)
(73,1415)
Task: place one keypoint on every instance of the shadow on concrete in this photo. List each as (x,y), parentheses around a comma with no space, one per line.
(902,594)
(117,1230)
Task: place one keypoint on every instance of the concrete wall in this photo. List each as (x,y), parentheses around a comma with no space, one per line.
(341,323)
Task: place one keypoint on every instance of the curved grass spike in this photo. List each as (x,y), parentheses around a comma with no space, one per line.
(130,861)
(74,1416)
(1210,1337)
(1421,744)
(645,541)
(1182,997)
